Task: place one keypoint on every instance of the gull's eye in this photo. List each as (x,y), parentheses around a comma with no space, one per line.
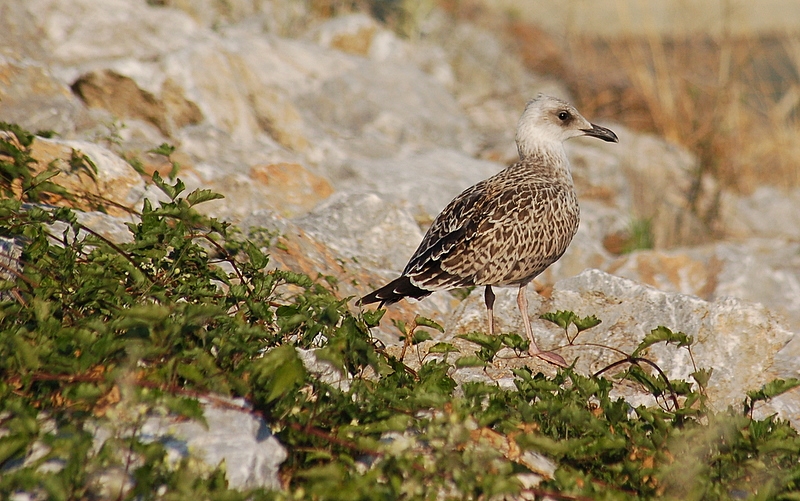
(563,115)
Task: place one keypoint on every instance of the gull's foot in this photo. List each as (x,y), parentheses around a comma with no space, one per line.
(553,358)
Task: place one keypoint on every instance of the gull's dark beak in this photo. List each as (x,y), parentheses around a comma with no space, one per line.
(601,133)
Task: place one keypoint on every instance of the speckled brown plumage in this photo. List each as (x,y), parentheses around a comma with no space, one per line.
(509,228)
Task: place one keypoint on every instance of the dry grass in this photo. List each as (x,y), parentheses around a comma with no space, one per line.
(733,102)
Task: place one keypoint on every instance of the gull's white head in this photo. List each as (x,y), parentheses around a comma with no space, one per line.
(548,121)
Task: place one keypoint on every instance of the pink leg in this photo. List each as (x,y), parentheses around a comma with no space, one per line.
(488,298)
(548,356)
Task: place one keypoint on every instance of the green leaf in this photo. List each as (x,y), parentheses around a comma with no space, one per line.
(26,354)
(137,164)
(562,318)
(586,322)
(191,373)
(373,317)
(773,389)
(489,345)
(325,479)
(43,176)
(427,322)
(199,196)
(80,161)
(23,136)
(484,340)
(565,318)
(515,342)
(173,172)
(443,348)
(257,258)
(396,422)
(172,191)
(401,326)
(12,446)
(290,277)
(547,445)
(702,376)
(164,149)
(187,407)
(470,361)
(280,372)
(420,336)
(660,334)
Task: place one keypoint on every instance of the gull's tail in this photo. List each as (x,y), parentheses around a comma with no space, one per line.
(393,292)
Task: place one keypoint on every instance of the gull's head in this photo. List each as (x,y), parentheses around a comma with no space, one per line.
(548,121)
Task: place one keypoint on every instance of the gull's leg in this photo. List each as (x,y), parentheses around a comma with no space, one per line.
(548,356)
(488,297)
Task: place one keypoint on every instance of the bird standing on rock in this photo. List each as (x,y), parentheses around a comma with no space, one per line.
(509,228)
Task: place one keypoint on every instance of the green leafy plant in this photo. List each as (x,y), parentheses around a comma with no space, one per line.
(17,178)
(640,235)
(96,334)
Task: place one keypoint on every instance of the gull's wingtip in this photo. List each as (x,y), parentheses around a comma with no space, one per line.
(393,292)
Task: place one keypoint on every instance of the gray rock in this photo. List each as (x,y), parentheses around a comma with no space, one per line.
(786,361)
(108,176)
(252,455)
(691,271)
(366,228)
(286,188)
(216,151)
(324,370)
(222,95)
(422,183)
(483,66)
(110,227)
(362,35)
(760,270)
(18,32)
(267,220)
(285,18)
(490,82)
(273,74)
(375,109)
(768,212)
(661,177)
(31,97)
(351,33)
(123,98)
(736,339)
(82,34)
(232,434)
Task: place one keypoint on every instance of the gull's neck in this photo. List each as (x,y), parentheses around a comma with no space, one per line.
(545,157)
(541,148)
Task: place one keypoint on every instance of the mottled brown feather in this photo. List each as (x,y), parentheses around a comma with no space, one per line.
(502,231)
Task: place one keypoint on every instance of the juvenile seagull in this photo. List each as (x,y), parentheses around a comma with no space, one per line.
(509,228)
